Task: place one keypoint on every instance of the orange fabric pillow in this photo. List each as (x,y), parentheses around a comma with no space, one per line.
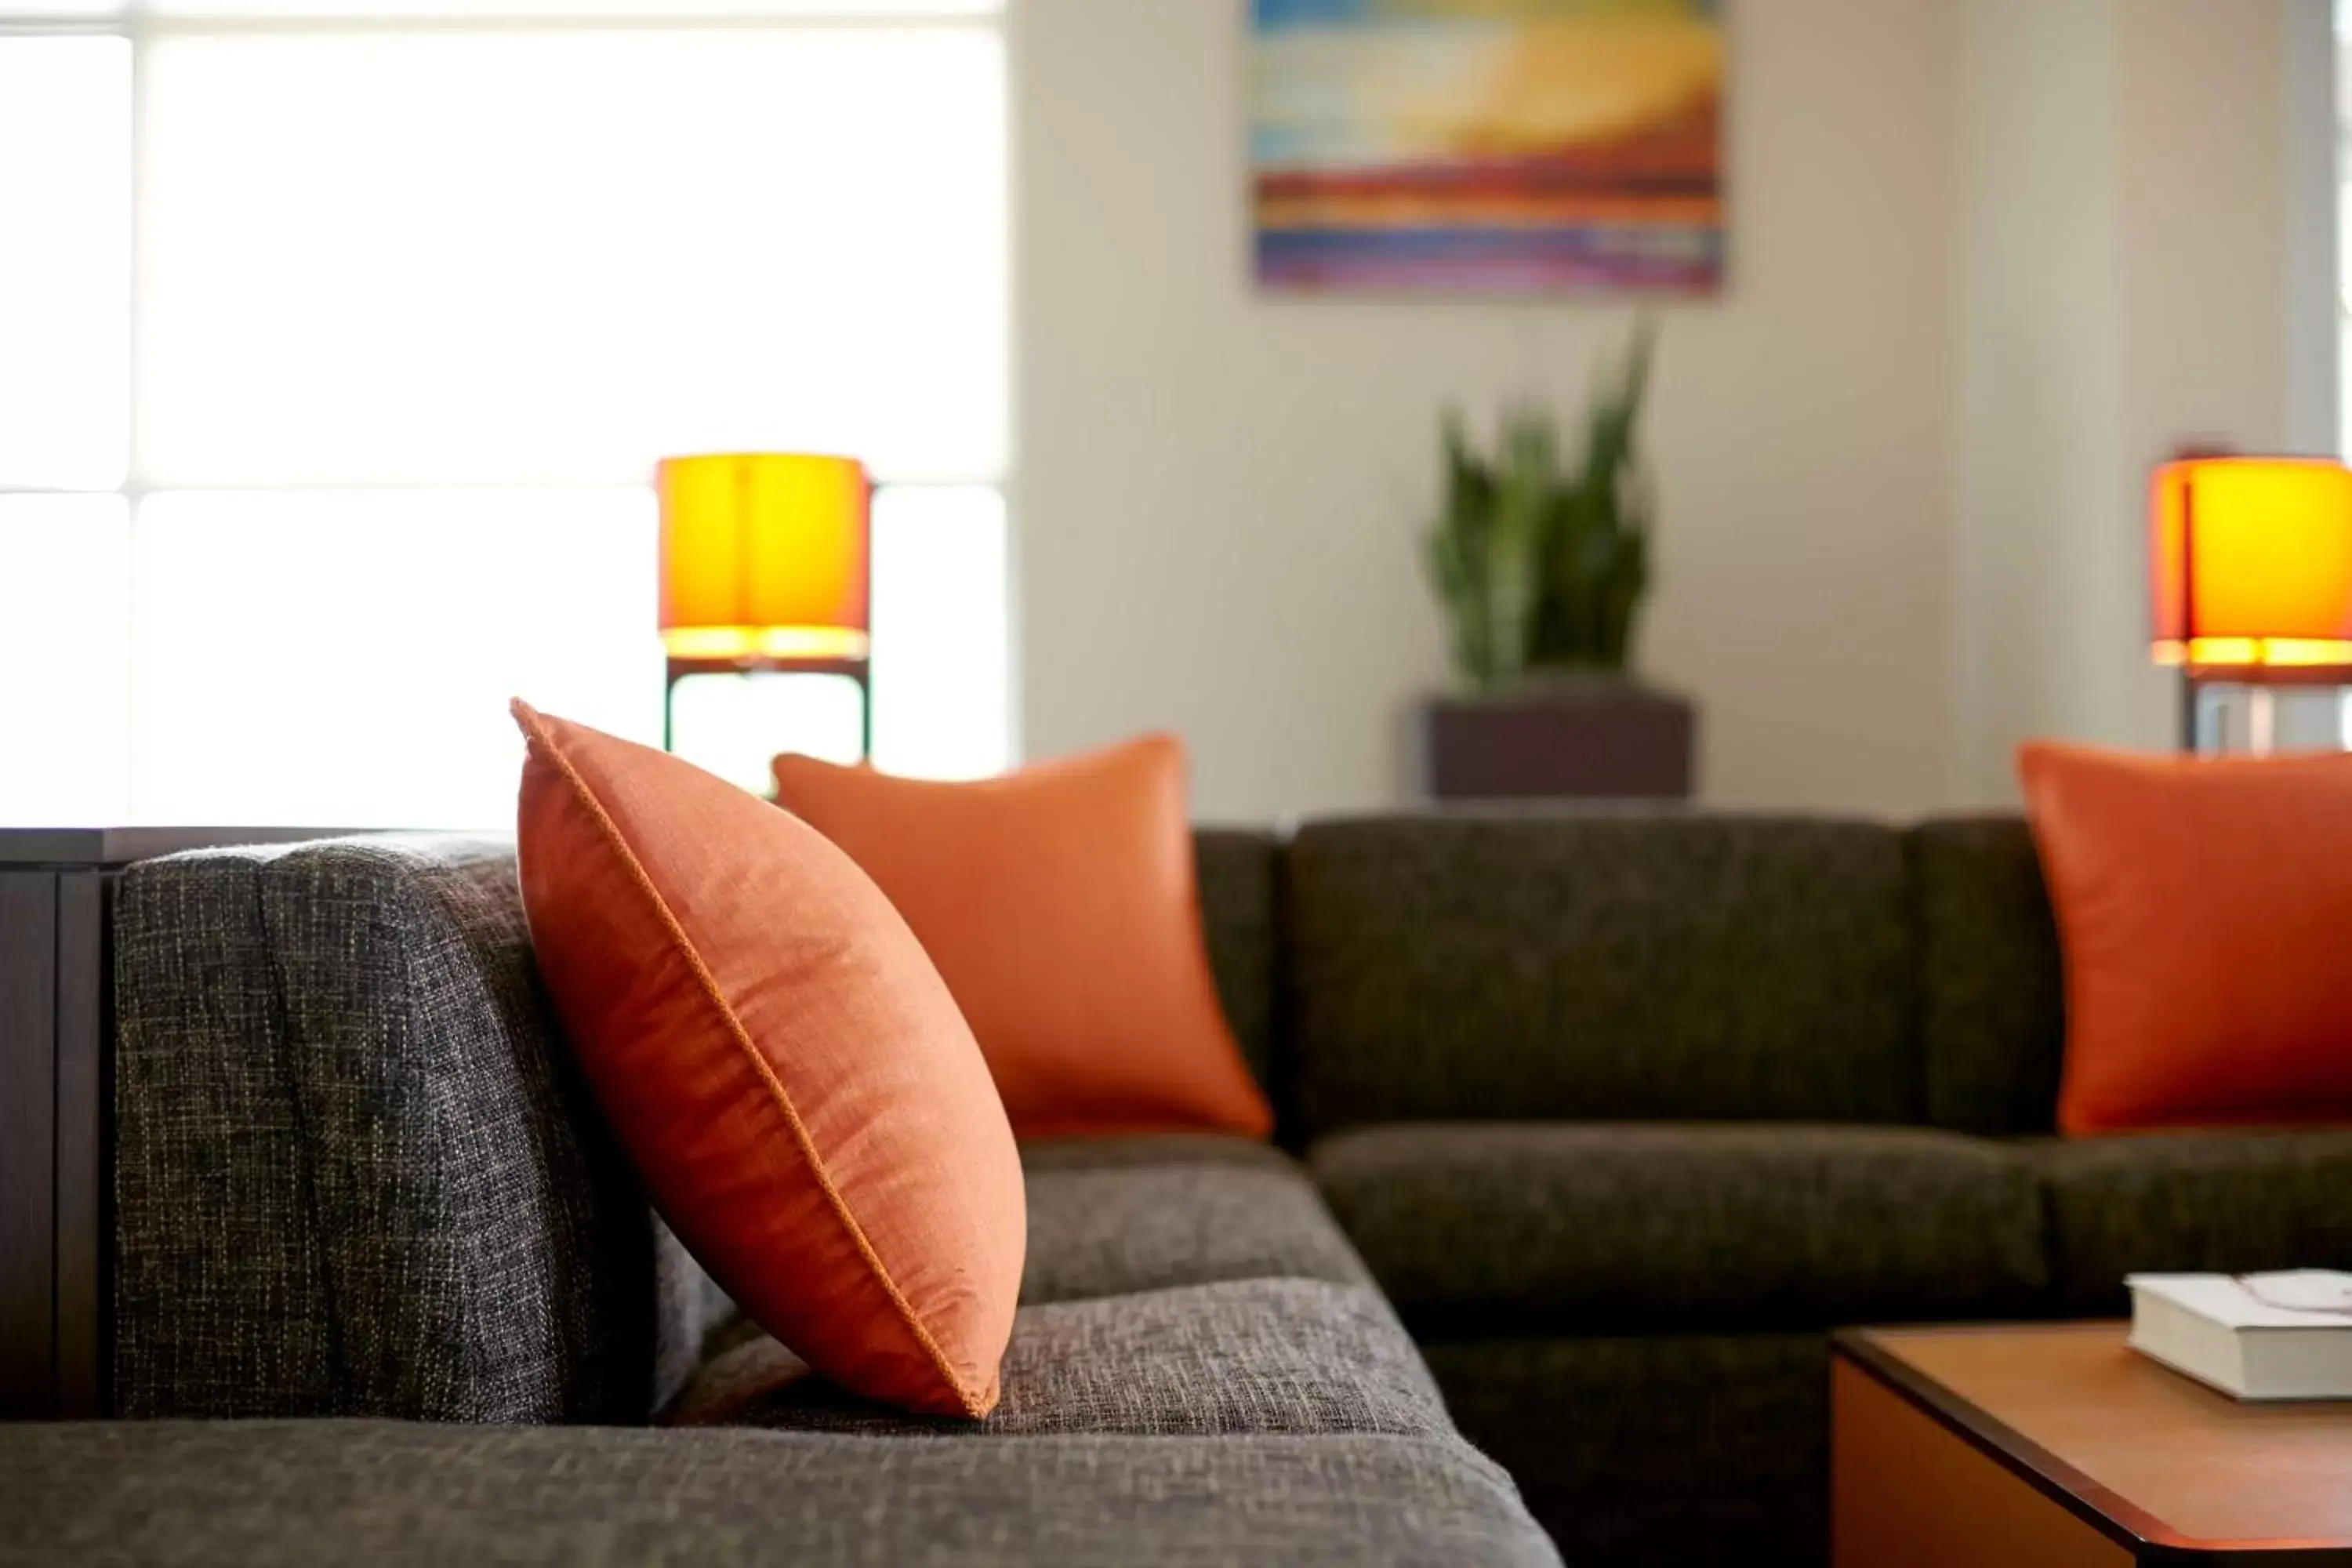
(782,1065)
(2205,911)
(1060,903)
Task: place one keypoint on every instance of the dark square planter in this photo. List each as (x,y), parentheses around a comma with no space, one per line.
(1581,738)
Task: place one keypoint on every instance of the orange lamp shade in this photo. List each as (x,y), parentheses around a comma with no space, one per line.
(763,555)
(2251,567)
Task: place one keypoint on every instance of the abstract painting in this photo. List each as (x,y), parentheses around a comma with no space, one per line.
(1488,146)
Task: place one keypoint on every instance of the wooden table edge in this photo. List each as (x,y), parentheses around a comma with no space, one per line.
(2150,1539)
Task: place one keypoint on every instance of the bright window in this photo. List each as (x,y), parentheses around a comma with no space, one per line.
(64,256)
(341,432)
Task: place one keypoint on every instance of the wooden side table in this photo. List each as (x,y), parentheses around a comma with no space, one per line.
(2046,1445)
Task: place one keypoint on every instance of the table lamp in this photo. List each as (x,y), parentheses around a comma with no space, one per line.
(763,568)
(2251,579)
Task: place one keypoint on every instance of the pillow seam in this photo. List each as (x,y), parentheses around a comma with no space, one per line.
(539,737)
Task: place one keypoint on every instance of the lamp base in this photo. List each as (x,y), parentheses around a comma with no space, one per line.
(859,670)
(2232,717)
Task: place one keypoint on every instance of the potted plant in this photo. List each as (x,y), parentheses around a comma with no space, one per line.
(1541,568)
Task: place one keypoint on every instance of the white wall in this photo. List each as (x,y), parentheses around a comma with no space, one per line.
(1220,493)
(2123,288)
(1899,459)
(2042,507)
(2314,266)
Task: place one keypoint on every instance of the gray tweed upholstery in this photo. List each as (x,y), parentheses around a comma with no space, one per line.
(1261,1355)
(1516,1227)
(219,1285)
(1111,1230)
(359,1176)
(380,1495)
(1676,967)
(1993,1019)
(1642,1451)
(1114,1216)
(356,1174)
(2229,1202)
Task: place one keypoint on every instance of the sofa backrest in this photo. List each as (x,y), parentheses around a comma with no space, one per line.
(1991,1000)
(1600,966)
(356,1173)
(1236,870)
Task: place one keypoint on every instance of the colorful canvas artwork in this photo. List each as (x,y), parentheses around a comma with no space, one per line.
(1484,145)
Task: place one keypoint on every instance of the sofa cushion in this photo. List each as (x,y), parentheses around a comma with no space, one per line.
(2204,907)
(1605,966)
(356,1171)
(377,1495)
(1265,1355)
(1099,1226)
(1084,970)
(1498,1228)
(783,1062)
(1992,1016)
(2191,1202)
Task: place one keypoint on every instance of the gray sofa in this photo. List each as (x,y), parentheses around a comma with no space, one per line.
(384,1291)
(1615,1116)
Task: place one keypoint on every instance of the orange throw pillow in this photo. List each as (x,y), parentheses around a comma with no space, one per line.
(782,1065)
(1060,903)
(2205,911)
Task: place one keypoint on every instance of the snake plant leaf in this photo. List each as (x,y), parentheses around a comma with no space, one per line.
(1541,564)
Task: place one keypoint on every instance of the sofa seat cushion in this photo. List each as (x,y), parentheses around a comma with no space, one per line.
(2191,1202)
(1513,1228)
(1263,1355)
(1115,1219)
(1114,1216)
(373,1495)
